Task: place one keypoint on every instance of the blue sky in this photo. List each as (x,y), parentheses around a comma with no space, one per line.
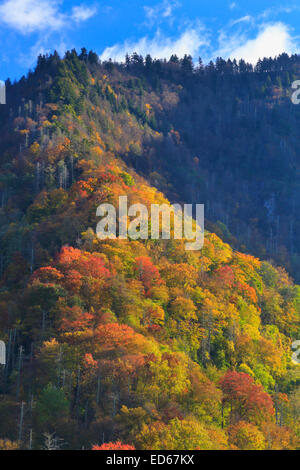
(208,28)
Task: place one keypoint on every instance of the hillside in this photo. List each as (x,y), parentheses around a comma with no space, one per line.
(143,342)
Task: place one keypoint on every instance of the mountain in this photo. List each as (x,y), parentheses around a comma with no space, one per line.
(143,344)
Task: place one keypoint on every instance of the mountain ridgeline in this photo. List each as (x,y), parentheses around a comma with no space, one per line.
(142,344)
(225,135)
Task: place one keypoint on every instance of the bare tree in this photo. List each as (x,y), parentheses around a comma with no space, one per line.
(52,442)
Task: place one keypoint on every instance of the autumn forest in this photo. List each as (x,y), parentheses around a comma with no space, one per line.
(141,344)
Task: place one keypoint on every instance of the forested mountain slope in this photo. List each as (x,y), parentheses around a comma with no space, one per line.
(143,342)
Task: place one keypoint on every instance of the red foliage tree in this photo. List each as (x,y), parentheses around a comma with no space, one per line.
(247,400)
(148,273)
(87,264)
(47,274)
(114,446)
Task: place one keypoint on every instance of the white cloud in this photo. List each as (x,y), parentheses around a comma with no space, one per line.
(27,16)
(272,40)
(271,12)
(43,46)
(243,19)
(83,13)
(31,15)
(161,11)
(159,47)
(232,5)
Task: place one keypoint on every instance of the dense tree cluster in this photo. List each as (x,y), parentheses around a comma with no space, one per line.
(123,344)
